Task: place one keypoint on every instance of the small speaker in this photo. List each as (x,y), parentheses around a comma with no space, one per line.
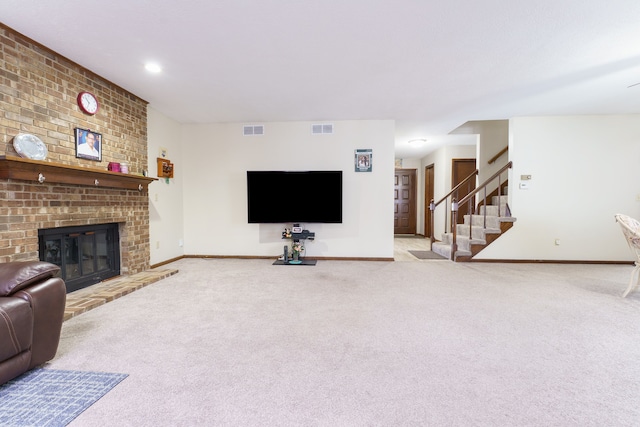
(286,254)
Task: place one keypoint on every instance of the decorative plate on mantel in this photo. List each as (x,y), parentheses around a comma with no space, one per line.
(30,146)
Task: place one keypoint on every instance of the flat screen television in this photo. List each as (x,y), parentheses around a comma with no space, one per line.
(294,196)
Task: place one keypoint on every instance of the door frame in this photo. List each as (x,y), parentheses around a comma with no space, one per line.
(412,196)
(429,194)
(456,179)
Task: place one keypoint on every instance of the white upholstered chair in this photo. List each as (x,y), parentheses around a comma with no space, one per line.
(631,230)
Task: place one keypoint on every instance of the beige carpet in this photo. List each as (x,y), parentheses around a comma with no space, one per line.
(229,342)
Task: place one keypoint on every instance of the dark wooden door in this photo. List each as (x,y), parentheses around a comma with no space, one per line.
(461,169)
(428,196)
(404,200)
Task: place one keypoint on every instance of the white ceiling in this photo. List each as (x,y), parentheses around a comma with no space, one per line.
(431,66)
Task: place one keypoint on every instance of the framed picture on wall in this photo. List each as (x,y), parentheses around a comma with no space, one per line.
(88,144)
(364,159)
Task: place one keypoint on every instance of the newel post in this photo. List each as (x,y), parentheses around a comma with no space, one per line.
(432,207)
(454,228)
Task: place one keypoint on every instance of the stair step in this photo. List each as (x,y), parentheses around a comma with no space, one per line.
(479,220)
(447,238)
(493,210)
(464,243)
(442,249)
(478,232)
(461,253)
(499,199)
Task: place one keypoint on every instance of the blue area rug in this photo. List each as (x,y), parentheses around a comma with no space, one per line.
(52,398)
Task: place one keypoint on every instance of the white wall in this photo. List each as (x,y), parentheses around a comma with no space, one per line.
(166,217)
(493,136)
(217,156)
(584,170)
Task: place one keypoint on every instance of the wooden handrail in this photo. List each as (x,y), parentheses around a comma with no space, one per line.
(500,153)
(464,181)
(466,198)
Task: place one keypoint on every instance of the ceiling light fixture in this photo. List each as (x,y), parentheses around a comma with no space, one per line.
(152,68)
(417,141)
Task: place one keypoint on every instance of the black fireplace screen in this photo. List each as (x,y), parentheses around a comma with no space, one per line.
(86,254)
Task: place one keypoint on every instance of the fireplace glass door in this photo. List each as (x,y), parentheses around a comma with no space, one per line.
(86,255)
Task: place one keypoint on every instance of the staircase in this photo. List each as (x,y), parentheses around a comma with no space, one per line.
(477,232)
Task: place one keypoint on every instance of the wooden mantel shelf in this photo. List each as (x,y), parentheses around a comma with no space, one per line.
(47,172)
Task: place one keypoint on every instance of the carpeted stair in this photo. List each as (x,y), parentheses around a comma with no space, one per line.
(498,221)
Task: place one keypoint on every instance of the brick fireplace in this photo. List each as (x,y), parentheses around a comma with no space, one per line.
(38,95)
(30,207)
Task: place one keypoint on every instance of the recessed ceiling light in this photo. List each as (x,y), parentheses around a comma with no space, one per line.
(152,68)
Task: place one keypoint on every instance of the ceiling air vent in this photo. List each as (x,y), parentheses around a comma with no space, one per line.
(253,130)
(321,128)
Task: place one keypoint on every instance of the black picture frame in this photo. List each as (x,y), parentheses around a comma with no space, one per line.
(84,151)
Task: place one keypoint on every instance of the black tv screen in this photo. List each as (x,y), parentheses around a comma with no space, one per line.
(294,196)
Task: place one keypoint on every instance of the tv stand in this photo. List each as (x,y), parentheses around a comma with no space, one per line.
(302,262)
(296,237)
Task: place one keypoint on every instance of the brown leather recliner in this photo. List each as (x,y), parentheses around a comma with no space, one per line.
(32,304)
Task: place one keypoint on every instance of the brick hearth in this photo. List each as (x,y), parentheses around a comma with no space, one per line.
(81,301)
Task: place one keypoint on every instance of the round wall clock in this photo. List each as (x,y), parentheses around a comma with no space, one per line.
(88,102)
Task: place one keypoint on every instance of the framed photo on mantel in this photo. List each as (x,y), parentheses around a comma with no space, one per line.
(88,144)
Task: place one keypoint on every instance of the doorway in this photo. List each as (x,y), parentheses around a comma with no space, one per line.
(460,170)
(404,202)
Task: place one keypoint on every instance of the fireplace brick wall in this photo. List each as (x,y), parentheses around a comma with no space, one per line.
(38,91)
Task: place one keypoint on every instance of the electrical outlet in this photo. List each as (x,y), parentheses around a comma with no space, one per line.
(180,243)
(557,242)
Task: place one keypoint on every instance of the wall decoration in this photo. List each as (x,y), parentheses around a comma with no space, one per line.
(165,168)
(88,103)
(363,160)
(88,144)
